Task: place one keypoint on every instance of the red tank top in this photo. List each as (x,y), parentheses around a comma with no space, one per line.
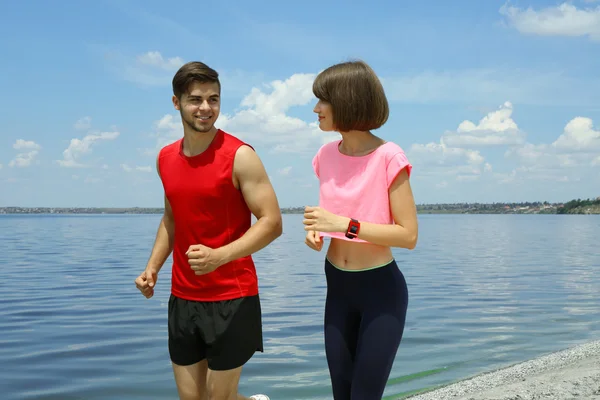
(208,210)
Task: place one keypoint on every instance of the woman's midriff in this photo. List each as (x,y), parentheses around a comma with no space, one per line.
(355,256)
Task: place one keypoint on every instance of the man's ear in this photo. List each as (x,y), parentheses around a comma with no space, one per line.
(176,103)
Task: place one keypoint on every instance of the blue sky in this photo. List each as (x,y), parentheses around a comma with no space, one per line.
(491,100)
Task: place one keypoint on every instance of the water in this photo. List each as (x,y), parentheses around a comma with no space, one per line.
(485,291)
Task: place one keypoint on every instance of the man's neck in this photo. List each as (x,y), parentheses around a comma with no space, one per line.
(195,143)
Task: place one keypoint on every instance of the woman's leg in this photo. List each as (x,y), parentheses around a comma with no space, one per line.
(380,334)
(341,334)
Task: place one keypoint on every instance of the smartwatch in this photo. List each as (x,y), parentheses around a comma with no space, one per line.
(353,228)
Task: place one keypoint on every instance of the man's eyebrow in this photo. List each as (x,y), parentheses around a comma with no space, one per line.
(199,97)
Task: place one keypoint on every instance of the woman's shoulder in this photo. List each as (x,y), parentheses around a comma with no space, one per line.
(328,148)
(392,149)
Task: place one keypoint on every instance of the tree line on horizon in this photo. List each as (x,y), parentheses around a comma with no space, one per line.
(578,205)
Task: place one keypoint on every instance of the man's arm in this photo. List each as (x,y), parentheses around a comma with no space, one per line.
(260,197)
(163,244)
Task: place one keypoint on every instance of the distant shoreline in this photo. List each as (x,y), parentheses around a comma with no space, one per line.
(588,206)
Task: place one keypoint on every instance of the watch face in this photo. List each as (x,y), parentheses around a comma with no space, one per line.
(352,229)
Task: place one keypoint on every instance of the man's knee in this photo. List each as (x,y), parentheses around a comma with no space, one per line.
(223,385)
(191,381)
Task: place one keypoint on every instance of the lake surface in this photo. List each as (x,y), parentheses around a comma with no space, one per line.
(485,291)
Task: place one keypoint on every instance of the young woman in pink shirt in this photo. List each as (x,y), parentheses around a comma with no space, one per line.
(366,207)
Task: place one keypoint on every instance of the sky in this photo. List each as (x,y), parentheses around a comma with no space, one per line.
(492,101)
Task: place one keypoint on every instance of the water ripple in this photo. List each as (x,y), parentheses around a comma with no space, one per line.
(72,325)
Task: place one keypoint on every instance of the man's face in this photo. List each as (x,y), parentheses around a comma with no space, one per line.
(200,106)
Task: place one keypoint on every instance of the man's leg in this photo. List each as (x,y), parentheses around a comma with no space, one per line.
(240,329)
(223,385)
(187,350)
(191,380)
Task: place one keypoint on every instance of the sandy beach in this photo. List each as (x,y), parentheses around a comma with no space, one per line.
(572,373)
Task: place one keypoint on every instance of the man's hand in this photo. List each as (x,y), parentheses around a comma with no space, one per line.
(204,260)
(146,282)
(313,240)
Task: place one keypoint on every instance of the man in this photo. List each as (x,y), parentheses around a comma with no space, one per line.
(213,182)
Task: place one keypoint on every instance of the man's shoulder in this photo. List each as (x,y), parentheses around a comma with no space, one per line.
(171,148)
(234,146)
(233,140)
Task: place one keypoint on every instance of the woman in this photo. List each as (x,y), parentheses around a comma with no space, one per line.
(366,207)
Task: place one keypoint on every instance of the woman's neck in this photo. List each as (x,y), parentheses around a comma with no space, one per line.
(358,143)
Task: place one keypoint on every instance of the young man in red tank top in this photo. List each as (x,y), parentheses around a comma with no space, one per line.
(213,183)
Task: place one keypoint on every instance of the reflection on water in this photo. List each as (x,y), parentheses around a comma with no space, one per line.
(485,291)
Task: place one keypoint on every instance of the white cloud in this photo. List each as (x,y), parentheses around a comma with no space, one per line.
(561,20)
(284,171)
(24,158)
(440,160)
(263,119)
(577,146)
(443,155)
(83,124)
(579,136)
(127,168)
(79,147)
(566,159)
(294,91)
(155,59)
(167,130)
(21,144)
(535,173)
(496,128)
(147,69)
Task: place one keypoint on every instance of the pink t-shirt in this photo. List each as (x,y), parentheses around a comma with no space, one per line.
(358,187)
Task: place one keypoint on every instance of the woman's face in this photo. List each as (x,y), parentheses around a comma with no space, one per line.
(325,113)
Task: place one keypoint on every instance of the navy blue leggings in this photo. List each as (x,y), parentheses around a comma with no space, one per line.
(365,312)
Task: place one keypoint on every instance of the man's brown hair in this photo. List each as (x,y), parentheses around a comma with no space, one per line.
(356,96)
(193,71)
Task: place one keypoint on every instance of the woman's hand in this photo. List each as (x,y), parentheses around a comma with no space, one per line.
(314,240)
(321,220)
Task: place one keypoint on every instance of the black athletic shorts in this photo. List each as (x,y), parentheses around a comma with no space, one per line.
(227,333)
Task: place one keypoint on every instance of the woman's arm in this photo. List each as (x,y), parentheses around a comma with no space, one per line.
(403,234)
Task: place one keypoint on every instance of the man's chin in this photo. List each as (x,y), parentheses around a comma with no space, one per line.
(203,128)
